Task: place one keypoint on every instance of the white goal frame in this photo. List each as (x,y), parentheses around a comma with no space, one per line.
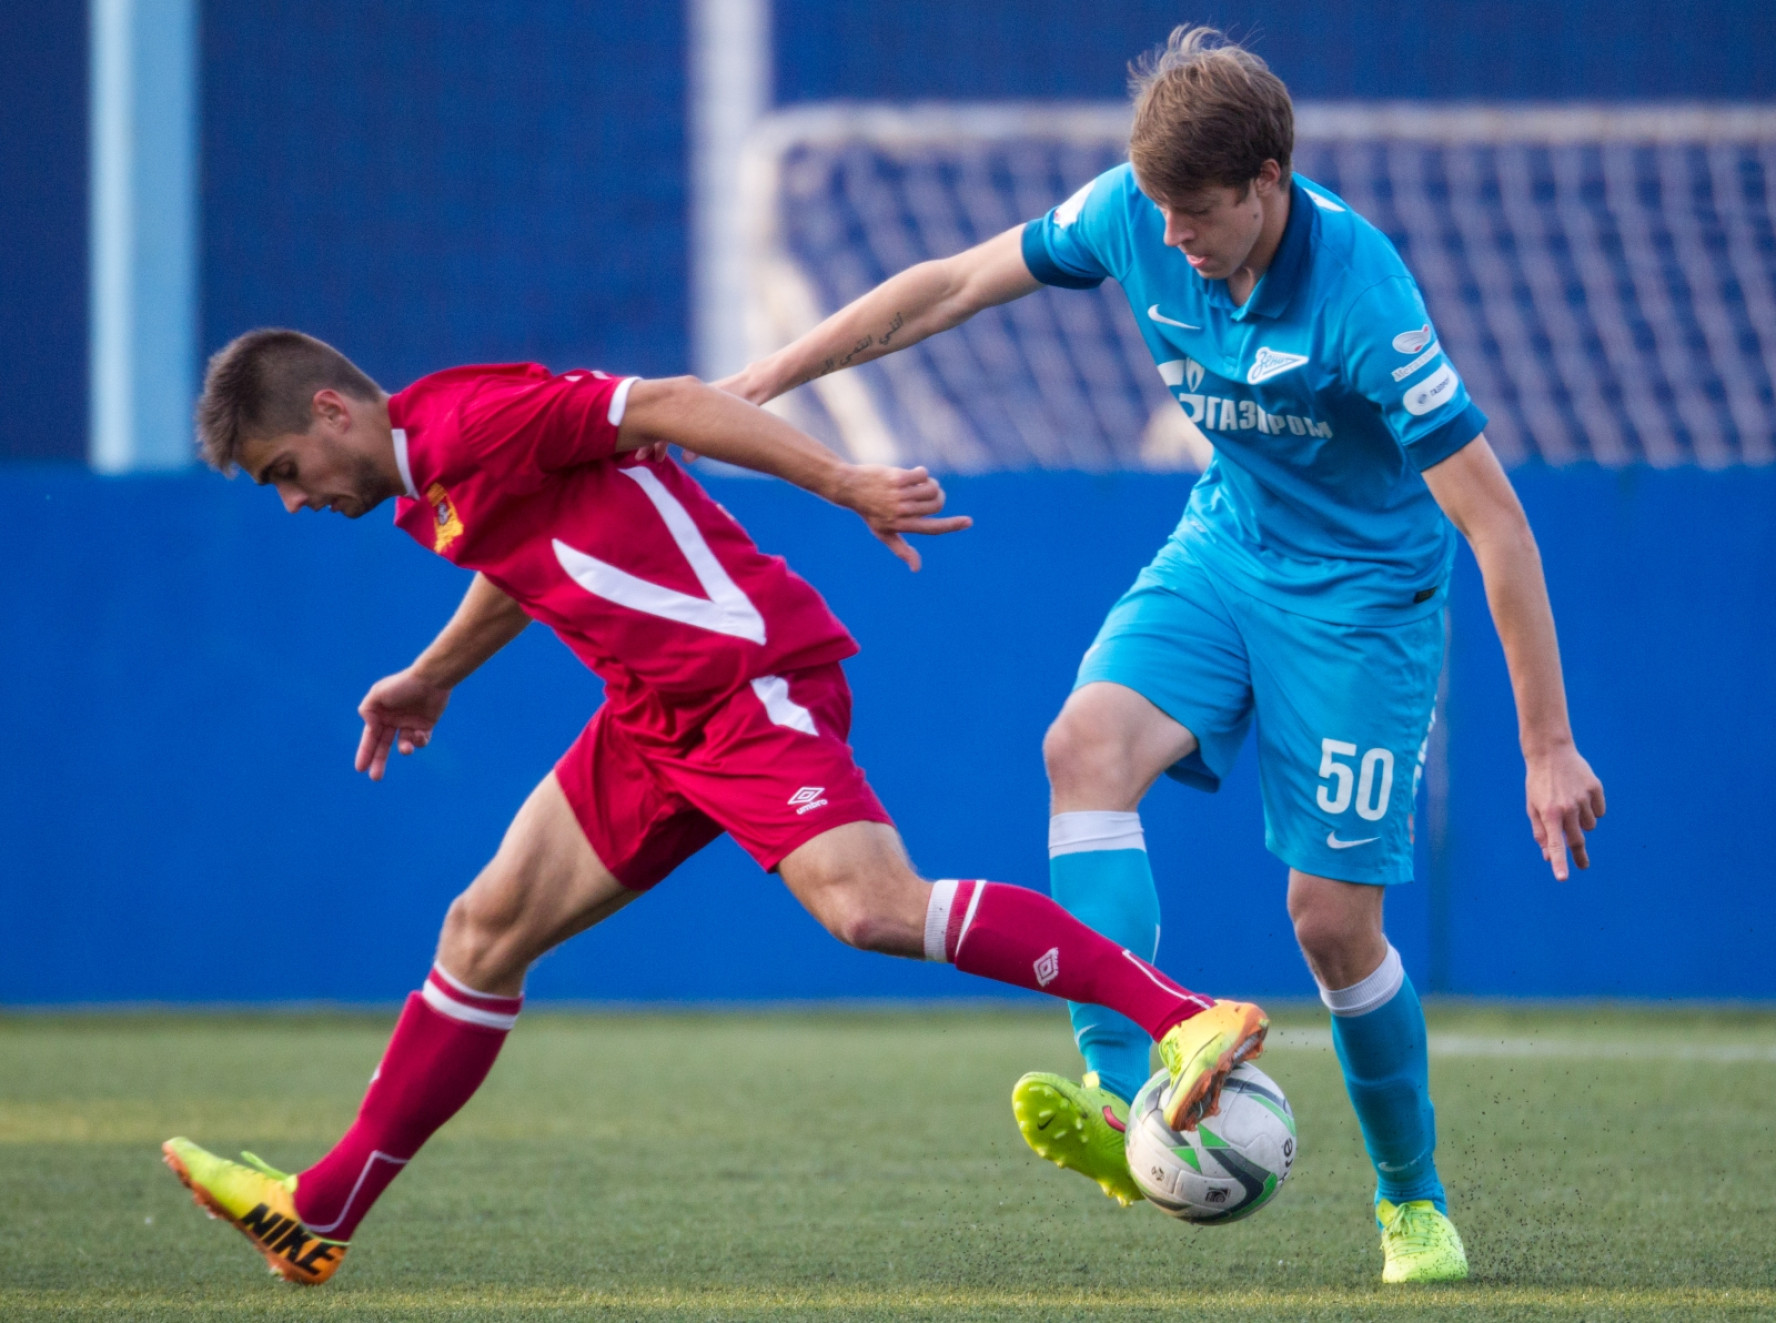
(772,301)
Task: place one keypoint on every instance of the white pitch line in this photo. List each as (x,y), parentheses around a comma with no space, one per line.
(1569,1049)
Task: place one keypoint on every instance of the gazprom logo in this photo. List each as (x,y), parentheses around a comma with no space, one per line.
(1185,372)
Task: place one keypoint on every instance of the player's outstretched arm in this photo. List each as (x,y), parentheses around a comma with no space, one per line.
(1564,796)
(401,709)
(707,421)
(903,310)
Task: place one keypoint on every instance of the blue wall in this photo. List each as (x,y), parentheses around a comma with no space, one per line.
(179,818)
(43,230)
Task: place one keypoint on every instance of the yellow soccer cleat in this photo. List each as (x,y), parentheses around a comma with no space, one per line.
(1419,1244)
(1200,1053)
(1078,1127)
(260,1202)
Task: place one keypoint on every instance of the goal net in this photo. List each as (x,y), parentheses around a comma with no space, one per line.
(1603,277)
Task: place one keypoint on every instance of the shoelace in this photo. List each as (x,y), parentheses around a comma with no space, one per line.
(263,1167)
(1415,1229)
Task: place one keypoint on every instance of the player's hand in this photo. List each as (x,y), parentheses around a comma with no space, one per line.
(1565,800)
(399,713)
(894,502)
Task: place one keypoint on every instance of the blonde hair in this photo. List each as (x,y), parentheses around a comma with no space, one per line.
(1207,112)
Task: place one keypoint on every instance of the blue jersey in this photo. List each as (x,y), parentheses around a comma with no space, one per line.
(1325,394)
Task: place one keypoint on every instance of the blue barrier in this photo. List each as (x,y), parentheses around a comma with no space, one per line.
(179,820)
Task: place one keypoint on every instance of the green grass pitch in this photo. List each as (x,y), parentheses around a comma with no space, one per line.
(1603,1164)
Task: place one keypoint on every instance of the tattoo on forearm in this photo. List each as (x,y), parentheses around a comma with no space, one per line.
(829,365)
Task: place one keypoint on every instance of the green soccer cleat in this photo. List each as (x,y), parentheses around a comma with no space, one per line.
(1078,1127)
(260,1203)
(1419,1244)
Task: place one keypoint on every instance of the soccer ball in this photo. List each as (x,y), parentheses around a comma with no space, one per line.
(1230,1166)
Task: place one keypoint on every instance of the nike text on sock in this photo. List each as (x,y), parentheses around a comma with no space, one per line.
(1023,938)
(444,1044)
(1365,995)
(1091,829)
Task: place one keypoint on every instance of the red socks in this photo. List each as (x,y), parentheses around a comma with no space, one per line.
(443,1046)
(1023,938)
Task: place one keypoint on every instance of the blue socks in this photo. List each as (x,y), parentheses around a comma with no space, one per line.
(1098,873)
(1378,1027)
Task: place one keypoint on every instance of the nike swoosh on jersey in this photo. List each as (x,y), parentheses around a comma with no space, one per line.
(1154,314)
(1336,844)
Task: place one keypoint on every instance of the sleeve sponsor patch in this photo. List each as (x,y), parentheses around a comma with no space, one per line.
(1410,342)
(1433,392)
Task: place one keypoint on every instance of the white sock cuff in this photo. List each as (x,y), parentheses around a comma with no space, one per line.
(1094,829)
(1376,990)
(937,918)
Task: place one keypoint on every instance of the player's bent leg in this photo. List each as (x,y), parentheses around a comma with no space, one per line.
(1103,752)
(857,881)
(544,884)
(1378,1029)
(1107,748)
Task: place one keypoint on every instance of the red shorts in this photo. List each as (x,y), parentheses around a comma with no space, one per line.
(768,764)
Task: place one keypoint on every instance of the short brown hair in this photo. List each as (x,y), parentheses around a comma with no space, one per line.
(1207,112)
(262,384)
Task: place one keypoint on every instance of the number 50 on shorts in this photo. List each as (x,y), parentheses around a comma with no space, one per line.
(1346,781)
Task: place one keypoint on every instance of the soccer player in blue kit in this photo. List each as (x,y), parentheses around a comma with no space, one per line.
(1304,587)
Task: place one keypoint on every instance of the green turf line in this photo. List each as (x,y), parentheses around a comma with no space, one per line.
(865,1165)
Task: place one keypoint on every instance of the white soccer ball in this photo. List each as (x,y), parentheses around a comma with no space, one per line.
(1230,1166)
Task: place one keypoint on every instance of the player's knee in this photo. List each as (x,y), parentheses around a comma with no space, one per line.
(876,911)
(861,927)
(1333,942)
(477,927)
(1076,751)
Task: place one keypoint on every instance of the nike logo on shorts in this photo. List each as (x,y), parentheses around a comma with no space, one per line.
(1153,314)
(1336,844)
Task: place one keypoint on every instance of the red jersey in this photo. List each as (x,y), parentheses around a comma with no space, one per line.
(512,470)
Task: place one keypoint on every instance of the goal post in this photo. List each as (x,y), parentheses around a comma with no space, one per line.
(1604,276)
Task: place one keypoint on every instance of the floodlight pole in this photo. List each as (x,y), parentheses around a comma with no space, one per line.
(143,231)
(730,89)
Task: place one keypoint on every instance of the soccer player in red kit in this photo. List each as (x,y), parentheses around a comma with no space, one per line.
(726,709)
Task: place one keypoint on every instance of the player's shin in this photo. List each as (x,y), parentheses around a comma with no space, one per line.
(1098,873)
(1023,938)
(443,1046)
(1378,1028)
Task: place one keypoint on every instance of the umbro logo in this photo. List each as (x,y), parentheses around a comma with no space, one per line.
(1048,966)
(807,799)
(1270,363)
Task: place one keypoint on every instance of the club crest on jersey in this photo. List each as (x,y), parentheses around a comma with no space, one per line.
(447,526)
(1270,363)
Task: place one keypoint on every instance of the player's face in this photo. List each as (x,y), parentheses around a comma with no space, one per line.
(331,466)
(1217,228)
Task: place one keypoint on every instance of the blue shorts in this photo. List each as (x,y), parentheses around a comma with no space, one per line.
(1344,711)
